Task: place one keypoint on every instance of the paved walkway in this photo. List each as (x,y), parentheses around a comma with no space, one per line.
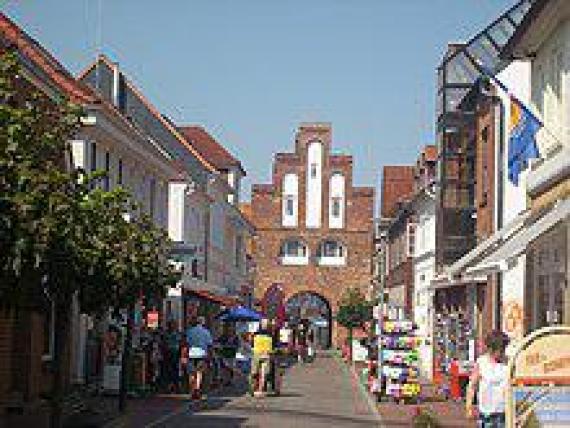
(320,394)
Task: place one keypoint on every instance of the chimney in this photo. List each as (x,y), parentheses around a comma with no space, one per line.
(116,84)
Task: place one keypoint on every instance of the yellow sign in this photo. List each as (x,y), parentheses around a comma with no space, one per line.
(262,344)
(539,379)
(544,360)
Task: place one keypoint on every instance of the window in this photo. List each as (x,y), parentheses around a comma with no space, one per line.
(93,157)
(290,198)
(238,251)
(411,247)
(313,170)
(290,205)
(485,166)
(194,268)
(120,174)
(331,253)
(152,199)
(106,182)
(294,252)
(336,206)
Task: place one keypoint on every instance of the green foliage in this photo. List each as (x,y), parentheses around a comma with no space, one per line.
(58,233)
(425,419)
(354,310)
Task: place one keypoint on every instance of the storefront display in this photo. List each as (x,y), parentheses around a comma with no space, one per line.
(400,358)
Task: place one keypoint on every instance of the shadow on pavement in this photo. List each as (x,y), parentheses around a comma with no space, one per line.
(334,420)
(214,421)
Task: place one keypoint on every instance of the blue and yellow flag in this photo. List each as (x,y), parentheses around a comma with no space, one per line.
(522,139)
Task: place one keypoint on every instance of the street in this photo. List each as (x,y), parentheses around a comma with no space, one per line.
(320,394)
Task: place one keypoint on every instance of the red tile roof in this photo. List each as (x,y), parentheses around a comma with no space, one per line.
(41,58)
(209,148)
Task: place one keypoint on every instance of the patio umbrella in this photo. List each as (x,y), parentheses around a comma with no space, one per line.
(239,313)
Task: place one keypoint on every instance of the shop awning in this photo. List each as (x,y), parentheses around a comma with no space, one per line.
(514,247)
(439,283)
(488,245)
(221,300)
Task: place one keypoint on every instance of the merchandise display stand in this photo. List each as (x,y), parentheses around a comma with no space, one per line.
(400,355)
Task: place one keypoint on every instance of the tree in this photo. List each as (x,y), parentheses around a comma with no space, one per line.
(353,312)
(60,236)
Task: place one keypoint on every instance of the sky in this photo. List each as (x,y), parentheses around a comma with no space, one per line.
(250,71)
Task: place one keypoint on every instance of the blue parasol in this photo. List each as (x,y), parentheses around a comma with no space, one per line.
(239,313)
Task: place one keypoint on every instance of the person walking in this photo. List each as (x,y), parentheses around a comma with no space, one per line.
(489,379)
(200,342)
(229,343)
(171,356)
(262,349)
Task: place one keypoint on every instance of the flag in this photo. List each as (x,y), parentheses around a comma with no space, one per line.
(522,139)
(524,126)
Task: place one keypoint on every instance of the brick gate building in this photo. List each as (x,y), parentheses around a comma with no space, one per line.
(314,228)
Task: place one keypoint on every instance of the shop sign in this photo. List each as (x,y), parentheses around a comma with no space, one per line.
(152,320)
(539,386)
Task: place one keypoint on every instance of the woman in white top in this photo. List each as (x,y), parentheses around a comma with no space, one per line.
(489,378)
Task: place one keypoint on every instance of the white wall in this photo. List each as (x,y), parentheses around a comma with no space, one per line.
(517,77)
(290,190)
(336,190)
(176,211)
(314,185)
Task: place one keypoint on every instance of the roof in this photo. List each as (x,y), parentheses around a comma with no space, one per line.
(44,61)
(514,49)
(430,153)
(152,109)
(246,210)
(209,148)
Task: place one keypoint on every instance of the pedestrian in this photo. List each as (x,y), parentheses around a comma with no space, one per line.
(199,342)
(183,365)
(302,343)
(262,348)
(489,378)
(229,343)
(171,356)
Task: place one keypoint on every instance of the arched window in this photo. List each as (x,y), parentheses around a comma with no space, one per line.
(290,200)
(294,252)
(331,253)
(336,201)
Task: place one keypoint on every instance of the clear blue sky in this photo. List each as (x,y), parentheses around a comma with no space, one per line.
(251,70)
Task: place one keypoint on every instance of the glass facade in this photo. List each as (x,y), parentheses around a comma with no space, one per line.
(457,76)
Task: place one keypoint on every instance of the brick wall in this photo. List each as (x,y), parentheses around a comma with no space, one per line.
(327,281)
(397,185)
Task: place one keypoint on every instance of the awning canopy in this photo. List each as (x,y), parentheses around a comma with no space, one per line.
(514,247)
(489,245)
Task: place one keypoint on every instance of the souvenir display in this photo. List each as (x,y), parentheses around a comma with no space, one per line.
(400,355)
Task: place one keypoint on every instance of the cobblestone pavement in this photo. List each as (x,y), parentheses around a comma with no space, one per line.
(315,395)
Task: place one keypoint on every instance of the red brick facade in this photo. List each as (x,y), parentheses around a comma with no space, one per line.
(328,282)
(397,186)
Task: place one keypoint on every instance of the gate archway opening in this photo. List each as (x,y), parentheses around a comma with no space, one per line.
(314,311)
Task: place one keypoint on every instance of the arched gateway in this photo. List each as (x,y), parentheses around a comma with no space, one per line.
(316,311)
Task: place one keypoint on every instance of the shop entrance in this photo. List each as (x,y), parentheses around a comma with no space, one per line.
(315,312)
